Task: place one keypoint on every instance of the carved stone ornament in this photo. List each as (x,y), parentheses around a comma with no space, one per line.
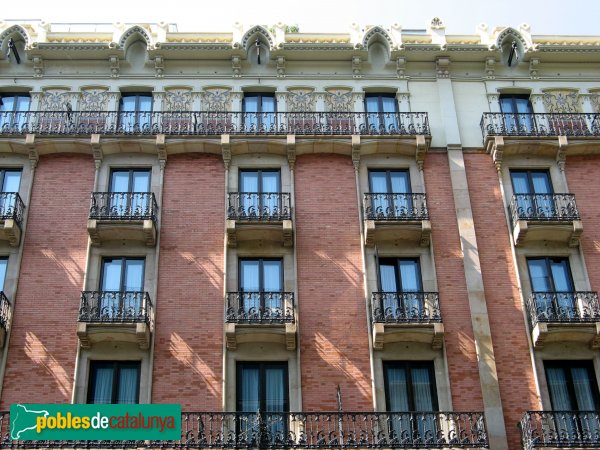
(54,100)
(114,66)
(301,100)
(339,100)
(177,100)
(356,67)
(401,67)
(280,67)
(38,67)
(561,102)
(217,99)
(93,100)
(236,66)
(595,102)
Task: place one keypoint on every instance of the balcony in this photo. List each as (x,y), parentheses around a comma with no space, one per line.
(254,216)
(112,316)
(539,133)
(127,216)
(11,218)
(260,317)
(564,316)
(560,429)
(392,217)
(406,317)
(5,312)
(301,430)
(204,123)
(551,217)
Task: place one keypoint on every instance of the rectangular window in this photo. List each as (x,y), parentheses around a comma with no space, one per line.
(261,286)
(260,193)
(135,113)
(382,112)
(114,382)
(130,192)
(121,286)
(572,387)
(12,111)
(10,182)
(517,113)
(3,266)
(259,112)
(390,193)
(262,386)
(401,287)
(533,193)
(552,287)
(410,388)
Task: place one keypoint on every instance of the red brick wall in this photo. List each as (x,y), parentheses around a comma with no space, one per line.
(505,309)
(333,324)
(582,177)
(43,342)
(189,329)
(454,303)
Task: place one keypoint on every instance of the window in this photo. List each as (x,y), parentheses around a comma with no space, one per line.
(259,112)
(10,181)
(130,192)
(3,266)
(121,286)
(12,111)
(401,288)
(572,387)
(517,113)
(390,195)
(260,193)
(533,193)
(552,287)
(262,387)
(261,286)
(114,382)
(135,111)
(382,112)
(410,387)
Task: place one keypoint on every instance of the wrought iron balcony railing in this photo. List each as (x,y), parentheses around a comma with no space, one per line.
(407,206)
(233,430)
(261,206)
(123,206)
(560,429)
(551,124)
(4,311)
(115,307)
(260,307)
(11,207)
(182,123)
(405,307)
(563,307)
(544,207)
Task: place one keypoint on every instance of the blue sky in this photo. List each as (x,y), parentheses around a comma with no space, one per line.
(573,17)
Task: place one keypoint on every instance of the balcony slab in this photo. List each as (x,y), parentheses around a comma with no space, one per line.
(280,333)
(281,231)
(418,231)
(548,332)
(428,333)
(559,231)
(102,230)
(91,333)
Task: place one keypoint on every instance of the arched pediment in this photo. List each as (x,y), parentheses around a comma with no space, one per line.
(13,31)
(133,34)
(511,33)
(377,34)
(260,32)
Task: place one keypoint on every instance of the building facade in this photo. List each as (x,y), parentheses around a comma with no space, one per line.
(380,238)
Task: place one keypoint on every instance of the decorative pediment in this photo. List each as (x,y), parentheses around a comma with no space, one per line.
(133,34)
(11,32)
(377,34)
(260,32)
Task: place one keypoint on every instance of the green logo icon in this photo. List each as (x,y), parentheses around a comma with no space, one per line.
(95,422)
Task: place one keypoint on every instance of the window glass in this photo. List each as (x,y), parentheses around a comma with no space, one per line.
(3,266)
(114,382)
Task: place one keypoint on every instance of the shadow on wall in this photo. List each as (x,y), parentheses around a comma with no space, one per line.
(330,354)
(352,273)
(39,355)
(183,353)
(70,268)
(206,266)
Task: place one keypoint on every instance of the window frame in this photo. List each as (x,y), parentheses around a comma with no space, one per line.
(388,180)
(529,172)
(380,97)
(261,280)
(548,259)
(123,269)
(116,366)
(407,366)
(260,96)
(138,96)
(513,100)
(130,180)
(260,179)
(567,365)
(15,95)
(396,265)
(262,365)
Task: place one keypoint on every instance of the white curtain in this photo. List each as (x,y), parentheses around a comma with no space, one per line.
(103,383)
(128,385)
